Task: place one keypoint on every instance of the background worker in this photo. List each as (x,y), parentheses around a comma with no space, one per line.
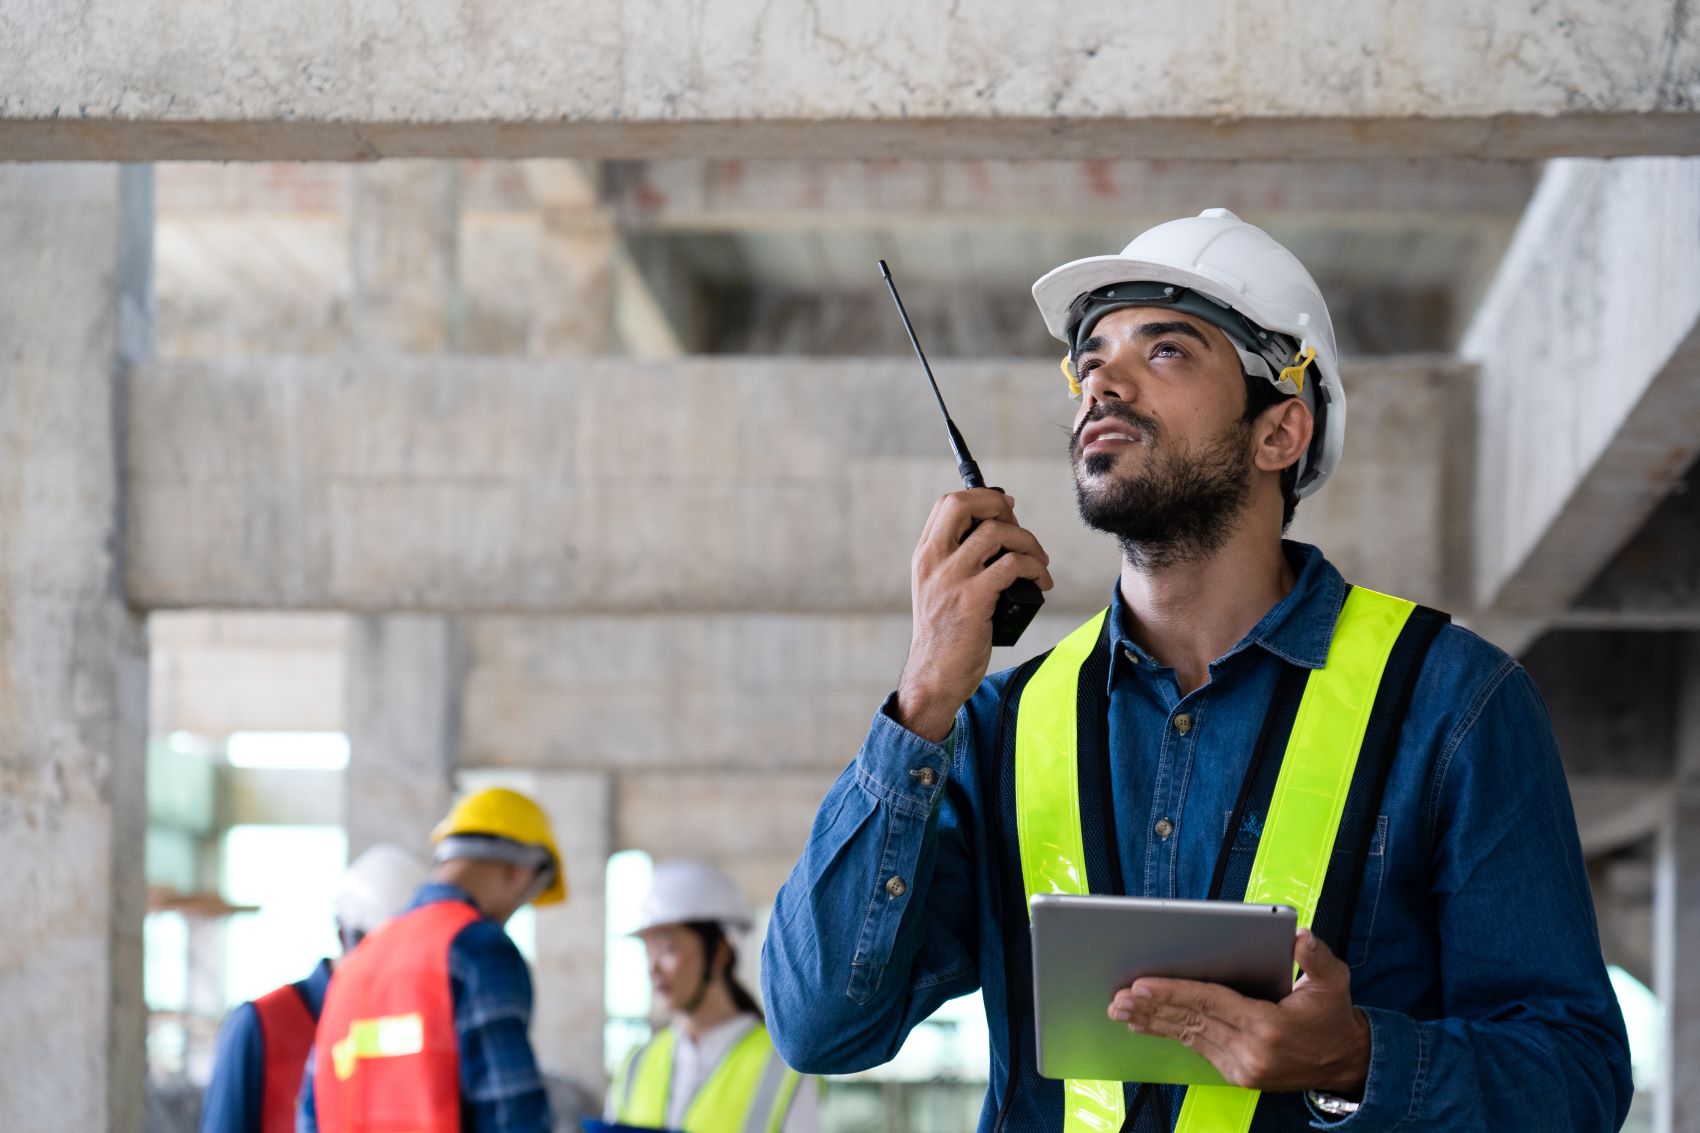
(714,1069)
(262,1047)
(1149,742)
(426,1027)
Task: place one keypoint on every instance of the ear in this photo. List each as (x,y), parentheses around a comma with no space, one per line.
(1281,434)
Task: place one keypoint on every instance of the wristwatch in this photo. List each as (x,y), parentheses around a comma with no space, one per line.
(1331,1105)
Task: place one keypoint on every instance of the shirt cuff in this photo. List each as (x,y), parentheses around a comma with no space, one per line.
(899,767)
(1398,1067)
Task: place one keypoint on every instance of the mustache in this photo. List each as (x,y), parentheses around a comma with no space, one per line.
(1103,409)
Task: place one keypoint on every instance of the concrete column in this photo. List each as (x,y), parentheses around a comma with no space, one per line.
(74,307)
(1676,912)
(404,678)
(403,228)
(571,954)
(535,260)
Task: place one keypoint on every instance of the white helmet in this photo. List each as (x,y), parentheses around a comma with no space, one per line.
(376,886)
(684,891)
(1237,265)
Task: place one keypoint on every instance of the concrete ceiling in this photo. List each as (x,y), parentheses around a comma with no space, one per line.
(778,257)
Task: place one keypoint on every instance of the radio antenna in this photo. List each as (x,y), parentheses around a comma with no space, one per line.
(965,465)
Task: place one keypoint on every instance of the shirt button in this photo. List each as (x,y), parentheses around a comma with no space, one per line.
(925,776)
(1183,723)
(1131,656)
(1164,828)
(896,887)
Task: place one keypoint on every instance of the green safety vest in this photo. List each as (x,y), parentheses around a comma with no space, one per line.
(1316,772)
(749,1092)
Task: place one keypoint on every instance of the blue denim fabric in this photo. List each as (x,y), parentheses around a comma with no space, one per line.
(501,1090)
(1474,955)
(237,1088)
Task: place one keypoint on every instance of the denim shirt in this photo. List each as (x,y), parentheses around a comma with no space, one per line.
(1474,953)
(236,1092)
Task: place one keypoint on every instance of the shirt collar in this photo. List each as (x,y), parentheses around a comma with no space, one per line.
(434,891)
(1298,629)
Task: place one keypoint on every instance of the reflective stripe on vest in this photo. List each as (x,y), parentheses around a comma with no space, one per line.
(386,1056)
(1299,830)
(286,1037)
(750,1091)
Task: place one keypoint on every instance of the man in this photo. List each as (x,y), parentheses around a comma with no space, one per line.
(263,1045)
(714,1070)
(1453,980)
(425,1026)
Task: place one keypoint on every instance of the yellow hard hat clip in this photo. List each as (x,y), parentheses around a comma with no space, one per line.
(1292,379)
(1073,382)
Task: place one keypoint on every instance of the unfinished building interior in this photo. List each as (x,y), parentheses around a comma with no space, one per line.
(511,398)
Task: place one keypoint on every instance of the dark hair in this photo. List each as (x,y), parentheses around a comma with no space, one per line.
(1260,394)
(711,935)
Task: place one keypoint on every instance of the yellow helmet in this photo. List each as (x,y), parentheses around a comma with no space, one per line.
(501,813)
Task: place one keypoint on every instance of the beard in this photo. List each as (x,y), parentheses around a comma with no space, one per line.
(1180,507)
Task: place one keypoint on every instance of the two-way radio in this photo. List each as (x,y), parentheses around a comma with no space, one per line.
(1022,599)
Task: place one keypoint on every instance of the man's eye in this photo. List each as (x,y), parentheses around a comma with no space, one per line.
(1088,367)
(1166,350)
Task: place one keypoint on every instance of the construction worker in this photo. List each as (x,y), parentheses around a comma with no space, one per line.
(425,1026)
(262,1047)
(1452,970)
(714,1070)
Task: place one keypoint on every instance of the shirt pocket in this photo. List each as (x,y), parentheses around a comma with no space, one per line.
(1244,852)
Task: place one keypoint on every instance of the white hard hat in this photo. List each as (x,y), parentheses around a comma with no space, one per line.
(1240,266)
(685,891)
(376,886)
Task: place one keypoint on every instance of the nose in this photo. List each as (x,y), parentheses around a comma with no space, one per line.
(1110,380)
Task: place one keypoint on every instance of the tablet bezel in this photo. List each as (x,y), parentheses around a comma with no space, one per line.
(1085,949)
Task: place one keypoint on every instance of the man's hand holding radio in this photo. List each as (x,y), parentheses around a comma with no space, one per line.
(954,592)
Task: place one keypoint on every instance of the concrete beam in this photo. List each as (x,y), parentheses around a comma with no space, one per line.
(214,673)
(1614,813)
(722,195)
(405,675)
(1589,398)
(73,658)
(344,80)
(1612,698)
(463,485)
(1654,581)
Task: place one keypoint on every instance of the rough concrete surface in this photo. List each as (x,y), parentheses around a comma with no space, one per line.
(1587,404)
(357,79)
(73,676)
(404,679)
(737,484)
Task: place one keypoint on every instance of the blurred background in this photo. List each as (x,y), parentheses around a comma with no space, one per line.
(549,426)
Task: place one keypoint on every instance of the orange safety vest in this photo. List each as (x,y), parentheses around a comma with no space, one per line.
(286,1037)
(386,1057)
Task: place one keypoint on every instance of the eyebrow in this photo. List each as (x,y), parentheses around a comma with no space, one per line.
(1148,330)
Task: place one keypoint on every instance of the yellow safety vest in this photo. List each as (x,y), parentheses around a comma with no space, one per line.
(750,1091)
(1299,830)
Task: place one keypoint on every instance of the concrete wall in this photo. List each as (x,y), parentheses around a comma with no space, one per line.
(352,80)
(73,669)
(216,673)
(1589,348)
(706,485)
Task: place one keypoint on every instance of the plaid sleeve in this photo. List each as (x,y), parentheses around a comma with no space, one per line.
(500,1087)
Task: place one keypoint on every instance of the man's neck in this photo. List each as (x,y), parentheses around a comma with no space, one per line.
(716,1008)
(1188,614)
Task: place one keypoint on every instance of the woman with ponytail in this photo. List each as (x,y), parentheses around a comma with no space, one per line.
(713,1069)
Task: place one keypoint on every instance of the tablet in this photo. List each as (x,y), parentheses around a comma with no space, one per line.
(1085,949)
